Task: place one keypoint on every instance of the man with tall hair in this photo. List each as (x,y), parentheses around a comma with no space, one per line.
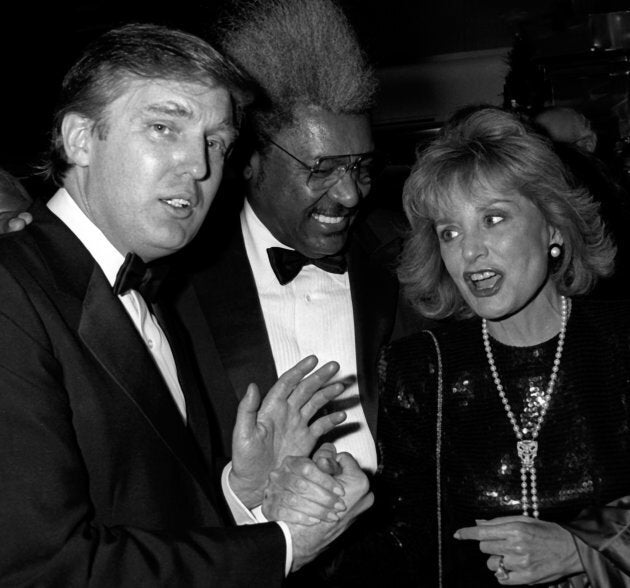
(106,461)
(295,268)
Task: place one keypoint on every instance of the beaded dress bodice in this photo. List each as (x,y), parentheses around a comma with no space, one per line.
(481,451)
(584,443)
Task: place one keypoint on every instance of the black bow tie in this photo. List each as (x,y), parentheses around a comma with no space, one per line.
(134,274)
(287,263)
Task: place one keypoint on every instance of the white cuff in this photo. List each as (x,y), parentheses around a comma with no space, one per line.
(243,516)
(287,535)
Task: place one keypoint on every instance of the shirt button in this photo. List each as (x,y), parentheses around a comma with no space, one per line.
(150,343)
(307,298)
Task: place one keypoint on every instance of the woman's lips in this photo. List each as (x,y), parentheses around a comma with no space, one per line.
(484,282)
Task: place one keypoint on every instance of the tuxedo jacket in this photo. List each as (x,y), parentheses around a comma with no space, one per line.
(219,305)
(101,481)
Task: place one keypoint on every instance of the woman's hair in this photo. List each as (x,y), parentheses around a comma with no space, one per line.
(489,148)
(130,52)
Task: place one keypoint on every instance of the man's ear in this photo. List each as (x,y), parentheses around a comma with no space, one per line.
(252,167)
(76,131)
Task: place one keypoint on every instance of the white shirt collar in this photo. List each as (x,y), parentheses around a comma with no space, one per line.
(258,239)
(104,253)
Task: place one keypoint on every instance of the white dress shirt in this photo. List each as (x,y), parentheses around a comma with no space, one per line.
(110,260)
(310,315)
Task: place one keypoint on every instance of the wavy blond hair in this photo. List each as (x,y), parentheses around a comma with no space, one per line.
(492,148)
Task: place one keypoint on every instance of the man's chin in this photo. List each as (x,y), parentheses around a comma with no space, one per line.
(332,245)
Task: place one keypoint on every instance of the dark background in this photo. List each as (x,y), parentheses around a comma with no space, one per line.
(38,44)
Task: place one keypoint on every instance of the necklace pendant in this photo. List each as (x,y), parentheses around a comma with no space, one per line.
(527,451)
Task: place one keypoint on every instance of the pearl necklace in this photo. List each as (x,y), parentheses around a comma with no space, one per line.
(527,449)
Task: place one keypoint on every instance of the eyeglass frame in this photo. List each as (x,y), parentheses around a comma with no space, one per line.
(352,166)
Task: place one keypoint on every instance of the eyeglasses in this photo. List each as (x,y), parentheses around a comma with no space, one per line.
(328,170)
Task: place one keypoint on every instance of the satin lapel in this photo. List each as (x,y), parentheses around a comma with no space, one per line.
(199,420)
(110,335)
(218,393)
(196,412)
(229,300)
(374,297)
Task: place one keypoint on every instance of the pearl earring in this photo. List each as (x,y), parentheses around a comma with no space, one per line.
(555,250)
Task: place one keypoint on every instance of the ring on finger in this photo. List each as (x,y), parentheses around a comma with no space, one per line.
(502,573)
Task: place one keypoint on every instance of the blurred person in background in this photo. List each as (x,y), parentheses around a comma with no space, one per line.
(14,202)
(576,143)
(567,125)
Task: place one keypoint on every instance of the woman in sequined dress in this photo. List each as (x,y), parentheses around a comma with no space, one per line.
(505,454)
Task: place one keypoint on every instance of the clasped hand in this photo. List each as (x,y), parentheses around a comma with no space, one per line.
(318,499)
(531,551)
(280,425)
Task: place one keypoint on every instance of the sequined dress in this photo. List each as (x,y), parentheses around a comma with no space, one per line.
(584,444)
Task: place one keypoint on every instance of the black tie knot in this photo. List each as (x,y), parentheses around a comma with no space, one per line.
(135,274)
(287,263)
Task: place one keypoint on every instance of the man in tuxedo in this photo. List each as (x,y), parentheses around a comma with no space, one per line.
(107,473)
(308,161)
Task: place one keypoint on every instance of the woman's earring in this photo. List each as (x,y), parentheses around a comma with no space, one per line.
(555,250)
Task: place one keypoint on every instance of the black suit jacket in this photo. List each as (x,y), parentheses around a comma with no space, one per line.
(219,306)
(101,482)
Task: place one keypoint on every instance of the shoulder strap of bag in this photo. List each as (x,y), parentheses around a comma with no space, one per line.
(438,456)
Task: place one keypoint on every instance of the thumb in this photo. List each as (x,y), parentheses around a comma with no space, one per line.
(326,459)
(348,464)
(247,412)
(326,451)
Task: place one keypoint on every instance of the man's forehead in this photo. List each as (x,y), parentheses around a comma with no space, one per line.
(176,99)
(320,133)
(181,96)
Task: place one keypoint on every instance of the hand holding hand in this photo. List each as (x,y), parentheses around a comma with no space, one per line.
(299,492)
(525,550)
(266,433)
(310,541)
(304,491)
